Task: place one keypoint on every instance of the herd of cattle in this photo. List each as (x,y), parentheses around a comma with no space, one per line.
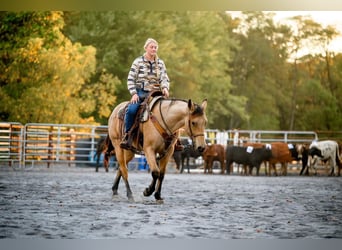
(252,155)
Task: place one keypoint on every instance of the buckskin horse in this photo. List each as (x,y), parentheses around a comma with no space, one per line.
(158,135)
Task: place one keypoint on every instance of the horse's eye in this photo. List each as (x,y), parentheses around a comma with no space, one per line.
(193,123)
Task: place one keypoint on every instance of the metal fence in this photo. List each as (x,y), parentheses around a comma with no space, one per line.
(38,143)
(11,139)
(35,143)
(263,136)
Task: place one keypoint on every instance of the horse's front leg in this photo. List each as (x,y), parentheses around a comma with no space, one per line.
(163,164)
(150,189)
(157,194)
(152,162)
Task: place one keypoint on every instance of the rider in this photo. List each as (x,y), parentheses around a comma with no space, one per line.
(147,73)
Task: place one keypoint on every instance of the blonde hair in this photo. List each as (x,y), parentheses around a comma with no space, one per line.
(150,40)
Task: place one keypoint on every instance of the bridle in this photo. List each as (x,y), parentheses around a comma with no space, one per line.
(168,130)
(192,135)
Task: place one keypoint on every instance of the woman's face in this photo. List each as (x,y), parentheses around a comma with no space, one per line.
(151,49)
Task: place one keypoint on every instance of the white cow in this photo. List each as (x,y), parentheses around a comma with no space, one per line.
(326,151)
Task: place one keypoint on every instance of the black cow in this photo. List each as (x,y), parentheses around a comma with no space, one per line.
(187,153)
(250,156)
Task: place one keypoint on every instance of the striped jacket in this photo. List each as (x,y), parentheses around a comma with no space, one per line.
(143,74)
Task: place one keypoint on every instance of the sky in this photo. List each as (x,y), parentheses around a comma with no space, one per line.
(323,17)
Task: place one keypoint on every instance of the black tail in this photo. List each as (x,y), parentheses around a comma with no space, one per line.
(338,161)
(109,145)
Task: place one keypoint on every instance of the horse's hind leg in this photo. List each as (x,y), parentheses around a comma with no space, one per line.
(116,185)
(116,182)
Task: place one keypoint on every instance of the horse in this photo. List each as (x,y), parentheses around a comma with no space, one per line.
(158,136)
(103,146)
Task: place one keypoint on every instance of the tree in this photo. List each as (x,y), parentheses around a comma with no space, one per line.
(259,69)
(43,72)
(312,62)
(318,109)
(194,46)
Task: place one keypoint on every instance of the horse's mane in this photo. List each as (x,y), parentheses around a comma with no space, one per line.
(198,109)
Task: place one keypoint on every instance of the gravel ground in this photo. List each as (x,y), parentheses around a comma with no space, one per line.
(76,203)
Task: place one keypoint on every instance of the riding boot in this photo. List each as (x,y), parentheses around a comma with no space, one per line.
(125,142)
(179,146)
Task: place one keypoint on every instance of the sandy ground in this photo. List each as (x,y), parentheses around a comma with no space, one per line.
(75,202)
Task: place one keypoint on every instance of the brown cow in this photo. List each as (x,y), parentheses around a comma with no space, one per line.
(213,152)
(282,153)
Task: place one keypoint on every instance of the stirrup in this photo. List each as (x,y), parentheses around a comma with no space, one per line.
(125,142)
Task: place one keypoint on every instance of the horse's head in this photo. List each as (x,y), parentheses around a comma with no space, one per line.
(196,124)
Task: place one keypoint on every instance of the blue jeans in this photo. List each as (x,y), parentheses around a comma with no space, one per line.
(133,109)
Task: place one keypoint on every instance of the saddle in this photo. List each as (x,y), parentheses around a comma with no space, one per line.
(142,115)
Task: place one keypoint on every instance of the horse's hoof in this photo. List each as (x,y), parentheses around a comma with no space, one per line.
(147,192)
(159,202)
(115,197)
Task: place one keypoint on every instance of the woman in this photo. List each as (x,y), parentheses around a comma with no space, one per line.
(147,73)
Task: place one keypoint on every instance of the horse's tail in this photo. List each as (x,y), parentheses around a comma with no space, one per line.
(338,160)
(109,150)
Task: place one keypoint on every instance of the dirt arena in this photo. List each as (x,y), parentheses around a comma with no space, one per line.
(76,203)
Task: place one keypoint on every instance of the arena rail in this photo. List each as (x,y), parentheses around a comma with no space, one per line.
(75,144)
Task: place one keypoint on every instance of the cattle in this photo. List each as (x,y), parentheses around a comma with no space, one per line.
(303,155)
(282,153)
(213,152)
(187,153)
(326,151)
(250,156)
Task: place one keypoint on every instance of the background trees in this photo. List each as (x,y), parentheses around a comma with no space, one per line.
(71,67)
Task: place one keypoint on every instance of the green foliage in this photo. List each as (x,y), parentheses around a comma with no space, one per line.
(318,108)
(43,71)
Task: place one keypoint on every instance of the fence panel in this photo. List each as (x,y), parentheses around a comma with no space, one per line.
(61,143)
(11,134)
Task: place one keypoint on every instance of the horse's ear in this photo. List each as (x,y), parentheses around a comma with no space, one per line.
(204,104)
(191,105)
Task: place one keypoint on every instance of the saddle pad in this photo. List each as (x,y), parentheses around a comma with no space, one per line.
(146,112)
(122,112)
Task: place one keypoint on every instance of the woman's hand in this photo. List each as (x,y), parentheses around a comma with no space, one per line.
(165,92)
(135,98)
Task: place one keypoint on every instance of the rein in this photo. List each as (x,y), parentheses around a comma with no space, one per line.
(163,132)
(167,133)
